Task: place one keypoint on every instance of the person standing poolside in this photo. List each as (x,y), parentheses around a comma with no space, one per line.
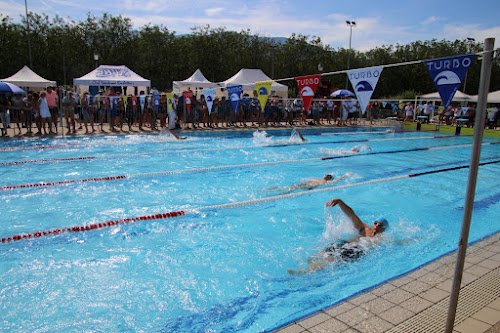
(52,101)
(45,116)
(69,103)
(28,112)
(16,108)
(4,108)
(87,112)
(346,250)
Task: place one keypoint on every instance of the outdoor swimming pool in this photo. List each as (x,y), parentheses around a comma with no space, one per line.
(221,267)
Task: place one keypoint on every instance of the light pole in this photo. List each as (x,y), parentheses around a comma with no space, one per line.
(350,24)
(28,28)
(96,58)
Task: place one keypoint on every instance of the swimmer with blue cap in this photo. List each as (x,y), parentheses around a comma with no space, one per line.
(347,250)
(380,225)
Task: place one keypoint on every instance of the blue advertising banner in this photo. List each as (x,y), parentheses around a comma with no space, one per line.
(234,93)
(448,73)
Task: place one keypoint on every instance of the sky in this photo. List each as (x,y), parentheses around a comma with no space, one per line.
(378,23)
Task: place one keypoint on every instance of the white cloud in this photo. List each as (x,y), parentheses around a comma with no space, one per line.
(213,11)
(12,9)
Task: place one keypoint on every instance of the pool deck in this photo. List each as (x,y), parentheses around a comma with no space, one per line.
(419,300)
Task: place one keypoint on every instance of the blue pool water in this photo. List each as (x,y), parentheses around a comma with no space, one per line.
(221,269)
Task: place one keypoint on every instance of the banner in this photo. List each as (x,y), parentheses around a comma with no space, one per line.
(307,87)
(156,99)
(170,103)
(171,111)
(209,98)
(142,100)
(188,96)
(447,74)
(234,93)
(263,91)
(364,81)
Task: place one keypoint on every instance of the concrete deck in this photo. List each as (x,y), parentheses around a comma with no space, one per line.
(418,301)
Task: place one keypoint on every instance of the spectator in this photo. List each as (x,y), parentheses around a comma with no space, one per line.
(28,106)
(68,104)
(4,113)
(45,117)
(87,112)
(52,101)
(16,108)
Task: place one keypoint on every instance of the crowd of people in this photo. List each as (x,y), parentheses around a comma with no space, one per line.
(39,113)
(451,115)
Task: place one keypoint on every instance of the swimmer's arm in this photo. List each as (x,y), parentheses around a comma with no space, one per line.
(356,221)
(333,182)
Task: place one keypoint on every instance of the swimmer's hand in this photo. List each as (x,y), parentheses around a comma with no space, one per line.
(333,202)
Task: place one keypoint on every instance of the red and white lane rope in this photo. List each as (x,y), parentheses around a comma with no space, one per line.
(91,226)
(94,226)
(98,179)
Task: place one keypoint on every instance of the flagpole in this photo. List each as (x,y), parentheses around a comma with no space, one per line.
(484,85)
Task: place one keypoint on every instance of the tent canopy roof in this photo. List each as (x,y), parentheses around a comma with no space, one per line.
(110,75)
(247,78)
(493,97)
(196,80)
(459,96)
(25,77)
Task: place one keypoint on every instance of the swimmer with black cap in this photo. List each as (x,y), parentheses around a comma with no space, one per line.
(347,250)
(328,179)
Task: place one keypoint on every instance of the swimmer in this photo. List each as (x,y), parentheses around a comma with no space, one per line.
(309,185)
(347,250)
(166,130)
(356,149)
(293,137)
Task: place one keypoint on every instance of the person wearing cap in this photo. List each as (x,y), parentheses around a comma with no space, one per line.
(346,250)
(308,185)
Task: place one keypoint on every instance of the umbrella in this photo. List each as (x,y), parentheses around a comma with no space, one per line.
(9,88)
(342,93)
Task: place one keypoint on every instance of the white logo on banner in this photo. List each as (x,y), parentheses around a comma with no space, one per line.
(209,98)
(364,82)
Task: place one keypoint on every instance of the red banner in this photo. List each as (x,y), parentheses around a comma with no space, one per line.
(307,87)
(188,96)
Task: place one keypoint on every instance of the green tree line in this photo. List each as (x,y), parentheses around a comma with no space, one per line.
(63,50)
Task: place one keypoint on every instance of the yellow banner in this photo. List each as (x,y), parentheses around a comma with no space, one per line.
(263,91)
(170,102)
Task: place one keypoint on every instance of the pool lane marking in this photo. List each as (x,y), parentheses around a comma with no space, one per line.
(218,149)
(377,132)
(79,145)
(94,226)
(292,195)
(171,172)
(91,226)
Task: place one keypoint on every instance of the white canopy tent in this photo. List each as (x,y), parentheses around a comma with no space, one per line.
(247,78)
(110,75)
(25,77)
(459,96)
(493,97)
(197,80)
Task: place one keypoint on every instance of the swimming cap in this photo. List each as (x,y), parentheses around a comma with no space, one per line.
(384,221)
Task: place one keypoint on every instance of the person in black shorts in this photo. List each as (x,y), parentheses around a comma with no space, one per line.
(346,250)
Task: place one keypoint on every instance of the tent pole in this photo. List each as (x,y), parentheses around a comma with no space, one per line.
(484,85)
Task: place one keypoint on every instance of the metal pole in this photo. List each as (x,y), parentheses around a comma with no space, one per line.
(349,54)
(29,38)
(484,85)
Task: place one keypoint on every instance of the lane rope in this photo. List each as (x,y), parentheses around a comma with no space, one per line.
(171,172)
(94,226)
(222,148)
